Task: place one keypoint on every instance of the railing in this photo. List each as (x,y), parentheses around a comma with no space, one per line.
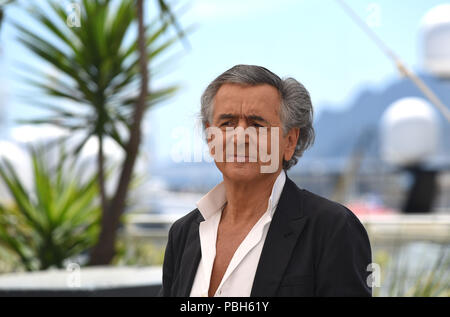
(381,228)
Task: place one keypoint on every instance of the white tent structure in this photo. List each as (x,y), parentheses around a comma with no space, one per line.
(409,132)
(435,41)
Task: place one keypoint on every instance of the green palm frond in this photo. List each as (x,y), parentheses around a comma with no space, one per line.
(96,64)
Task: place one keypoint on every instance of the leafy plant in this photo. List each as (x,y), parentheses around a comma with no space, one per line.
(97,69)
(429,279)
(105,74)
(57,219)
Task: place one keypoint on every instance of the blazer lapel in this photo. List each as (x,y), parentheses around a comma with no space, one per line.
(285,228)
(189,260)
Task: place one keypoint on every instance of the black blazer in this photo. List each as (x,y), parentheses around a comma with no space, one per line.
(314,247)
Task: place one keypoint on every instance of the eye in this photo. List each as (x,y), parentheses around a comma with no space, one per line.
(226,124)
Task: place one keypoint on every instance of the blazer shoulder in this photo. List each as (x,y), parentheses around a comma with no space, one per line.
(332,220)
(181,226)
(327,211)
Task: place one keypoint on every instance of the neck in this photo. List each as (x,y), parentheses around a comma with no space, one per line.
(247,200)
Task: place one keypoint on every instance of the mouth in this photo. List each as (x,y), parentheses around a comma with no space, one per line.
(241,159)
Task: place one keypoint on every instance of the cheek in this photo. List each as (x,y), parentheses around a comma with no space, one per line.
(227,144)
(268,142)
(278,142)
(217,147)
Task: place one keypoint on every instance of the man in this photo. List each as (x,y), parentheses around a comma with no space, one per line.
(257,233)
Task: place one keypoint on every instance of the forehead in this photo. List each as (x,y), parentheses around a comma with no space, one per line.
(262,100)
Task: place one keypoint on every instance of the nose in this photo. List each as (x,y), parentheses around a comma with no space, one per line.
(241,138)
(240,131)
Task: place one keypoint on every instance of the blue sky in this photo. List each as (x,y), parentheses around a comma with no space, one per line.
(312,41)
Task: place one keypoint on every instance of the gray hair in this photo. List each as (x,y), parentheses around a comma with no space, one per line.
(296,107)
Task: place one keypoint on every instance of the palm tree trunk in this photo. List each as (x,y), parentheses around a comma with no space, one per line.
(104,251)
(101,174)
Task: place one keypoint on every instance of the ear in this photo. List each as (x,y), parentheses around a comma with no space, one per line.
(291,142)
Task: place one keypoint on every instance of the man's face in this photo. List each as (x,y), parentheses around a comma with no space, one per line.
(237,108)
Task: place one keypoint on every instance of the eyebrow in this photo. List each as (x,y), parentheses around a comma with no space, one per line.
(226,116)
(258,118)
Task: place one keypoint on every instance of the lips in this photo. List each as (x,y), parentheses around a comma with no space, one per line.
(242,159)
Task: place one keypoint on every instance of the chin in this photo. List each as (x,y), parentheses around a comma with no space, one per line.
(240,171)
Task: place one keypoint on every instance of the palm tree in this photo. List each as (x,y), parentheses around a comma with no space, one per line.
(100,70)
(104,251)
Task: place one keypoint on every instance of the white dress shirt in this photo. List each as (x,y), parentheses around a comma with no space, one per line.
(238,278)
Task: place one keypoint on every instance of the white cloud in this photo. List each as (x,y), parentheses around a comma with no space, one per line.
(33,133)
(25,134)
(12,151)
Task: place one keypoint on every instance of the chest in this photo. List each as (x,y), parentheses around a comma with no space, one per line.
(228,241)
